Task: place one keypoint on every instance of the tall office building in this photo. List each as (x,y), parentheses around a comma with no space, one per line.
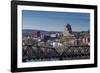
(67,30)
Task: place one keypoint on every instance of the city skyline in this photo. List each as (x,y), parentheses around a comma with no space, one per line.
(55,21)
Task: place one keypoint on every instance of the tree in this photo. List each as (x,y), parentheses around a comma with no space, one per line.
(65,39)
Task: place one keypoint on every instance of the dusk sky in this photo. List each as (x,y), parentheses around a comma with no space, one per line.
(55,21)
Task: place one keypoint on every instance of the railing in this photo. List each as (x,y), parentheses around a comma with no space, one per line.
(40,53)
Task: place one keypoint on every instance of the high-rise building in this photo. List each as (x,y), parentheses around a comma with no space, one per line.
(67,30)
(68,26)
(36,34)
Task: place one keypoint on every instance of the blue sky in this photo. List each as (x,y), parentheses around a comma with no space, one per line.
(55,21)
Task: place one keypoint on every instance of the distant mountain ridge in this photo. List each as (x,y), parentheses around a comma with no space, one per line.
(39,30)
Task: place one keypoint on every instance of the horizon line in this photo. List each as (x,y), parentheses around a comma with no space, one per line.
(56,31)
